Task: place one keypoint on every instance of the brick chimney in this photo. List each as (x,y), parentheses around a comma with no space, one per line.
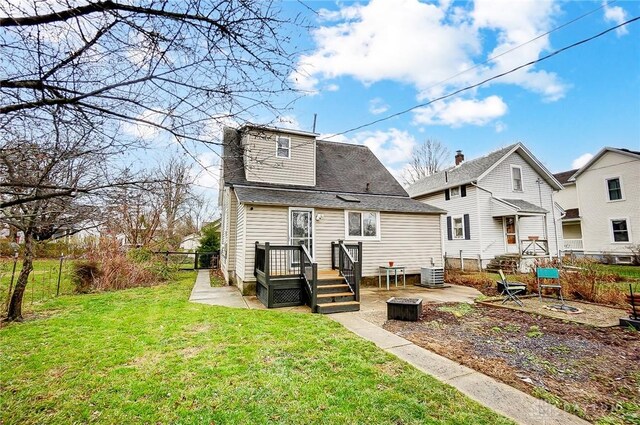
(459,157)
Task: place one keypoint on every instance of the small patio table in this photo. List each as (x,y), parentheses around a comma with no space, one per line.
(395,269)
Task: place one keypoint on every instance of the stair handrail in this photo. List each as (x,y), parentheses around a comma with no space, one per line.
(350,269)
(309,271)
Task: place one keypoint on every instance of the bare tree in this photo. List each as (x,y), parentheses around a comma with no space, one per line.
(427,158)
(131,71)
(176,192)
(63,158)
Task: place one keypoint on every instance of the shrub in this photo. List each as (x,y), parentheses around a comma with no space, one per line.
(85,275)
(121,270)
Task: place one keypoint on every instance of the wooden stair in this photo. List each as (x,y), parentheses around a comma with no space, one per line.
(334,295)
(508,263)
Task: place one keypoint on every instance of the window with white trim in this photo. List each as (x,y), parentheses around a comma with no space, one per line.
(516,178)
(283,147)
(362,224)
(620,230)
(454,192)
(614,189)
(458,227)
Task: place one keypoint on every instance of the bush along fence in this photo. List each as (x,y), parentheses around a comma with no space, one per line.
(190,260)
(49,278)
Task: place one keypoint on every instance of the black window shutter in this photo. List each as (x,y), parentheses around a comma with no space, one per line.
(446,195)
(467,232)
(463,190)
(449,229)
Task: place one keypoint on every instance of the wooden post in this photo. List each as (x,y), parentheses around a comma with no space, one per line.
(333,257)
(314,287)
(461,261)
(255,259)
(59,275)
(267,269)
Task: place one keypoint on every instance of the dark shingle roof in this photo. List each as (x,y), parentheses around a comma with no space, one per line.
(340,167)
(332,200)
(464,173)
(525,207)
(563,177)
(571,214)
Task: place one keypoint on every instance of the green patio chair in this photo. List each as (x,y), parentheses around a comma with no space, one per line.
(548,277)
(511,289)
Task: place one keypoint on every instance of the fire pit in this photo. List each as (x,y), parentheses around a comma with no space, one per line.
(408,309)
(564,308)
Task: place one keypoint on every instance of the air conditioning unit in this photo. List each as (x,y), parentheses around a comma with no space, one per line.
(432,277)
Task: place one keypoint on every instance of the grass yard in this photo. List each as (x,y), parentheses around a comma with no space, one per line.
(630,272)
(147,355)
(42,281)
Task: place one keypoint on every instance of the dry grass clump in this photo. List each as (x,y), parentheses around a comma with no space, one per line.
(107,268)
(584,281)
(483,282)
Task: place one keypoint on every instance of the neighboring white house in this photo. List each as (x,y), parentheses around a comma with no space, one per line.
(284,188)
(501,204)
(602,201)
(191,242)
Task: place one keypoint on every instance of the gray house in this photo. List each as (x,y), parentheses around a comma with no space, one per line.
(500,209)
(304,220)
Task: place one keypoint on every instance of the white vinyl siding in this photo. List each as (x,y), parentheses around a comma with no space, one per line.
(459,206)
(240,240)
(411,240)
(262,163)
(230,217)
(597,211)
(541,195)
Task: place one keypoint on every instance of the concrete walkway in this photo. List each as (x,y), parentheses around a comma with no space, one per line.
(204,293)
(512,403)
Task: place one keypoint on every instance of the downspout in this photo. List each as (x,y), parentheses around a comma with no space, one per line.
(555,223)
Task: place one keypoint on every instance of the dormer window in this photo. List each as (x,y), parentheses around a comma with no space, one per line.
(283,147)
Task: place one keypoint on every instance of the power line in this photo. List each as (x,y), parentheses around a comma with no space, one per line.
(467,88)
(492,58)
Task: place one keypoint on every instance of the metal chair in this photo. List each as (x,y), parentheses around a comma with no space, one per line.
(546,274)
(511,289)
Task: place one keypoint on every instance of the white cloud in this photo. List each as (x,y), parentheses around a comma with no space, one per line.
(332,87)
(288,121)
(616,15)
(142,130)
(581,160)
(500,127)
(423,44)
(206,173)
(459,112)
(377,106)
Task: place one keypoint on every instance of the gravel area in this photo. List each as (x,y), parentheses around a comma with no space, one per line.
(589,371)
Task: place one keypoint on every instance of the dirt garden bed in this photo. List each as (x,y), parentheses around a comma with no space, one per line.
(591,372)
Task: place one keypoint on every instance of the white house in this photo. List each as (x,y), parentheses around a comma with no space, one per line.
(602,201)
(500,208)
(302,217)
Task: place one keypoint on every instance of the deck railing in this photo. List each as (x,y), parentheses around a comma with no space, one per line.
(349,267)
(309,270)
(534,247)
(279,265)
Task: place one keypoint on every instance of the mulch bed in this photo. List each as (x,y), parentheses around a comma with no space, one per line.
(585,370)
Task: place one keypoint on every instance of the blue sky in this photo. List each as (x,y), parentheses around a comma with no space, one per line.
(366,60)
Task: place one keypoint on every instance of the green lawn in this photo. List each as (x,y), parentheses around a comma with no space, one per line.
(43,280)
(147,355)
(632,272)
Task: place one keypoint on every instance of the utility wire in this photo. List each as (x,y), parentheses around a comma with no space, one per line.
(467,88)
(492,58)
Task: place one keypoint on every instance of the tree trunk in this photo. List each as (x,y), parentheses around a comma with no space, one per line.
(15,306)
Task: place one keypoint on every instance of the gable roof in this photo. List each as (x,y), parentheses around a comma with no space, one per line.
(623,151)
(564,176)
(473,170)
(340,167)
